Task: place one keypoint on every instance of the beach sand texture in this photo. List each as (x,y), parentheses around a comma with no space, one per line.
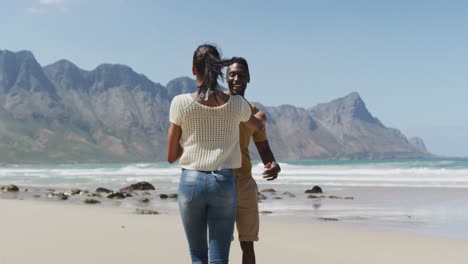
(49,232)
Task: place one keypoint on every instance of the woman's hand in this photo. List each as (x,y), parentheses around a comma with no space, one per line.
(261,116)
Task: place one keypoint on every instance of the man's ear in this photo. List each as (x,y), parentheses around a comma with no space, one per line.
(194,72)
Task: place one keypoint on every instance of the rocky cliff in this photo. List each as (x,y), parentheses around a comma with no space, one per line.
(61,113)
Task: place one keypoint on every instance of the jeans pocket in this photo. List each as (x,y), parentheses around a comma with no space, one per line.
(186,192)
(187,184)
(225,186)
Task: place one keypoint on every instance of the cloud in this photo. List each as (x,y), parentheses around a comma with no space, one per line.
(51,2)
(44,6)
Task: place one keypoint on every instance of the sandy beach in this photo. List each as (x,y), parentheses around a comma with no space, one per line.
(54,232)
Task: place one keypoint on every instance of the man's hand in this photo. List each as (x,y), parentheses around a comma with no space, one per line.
(271,171)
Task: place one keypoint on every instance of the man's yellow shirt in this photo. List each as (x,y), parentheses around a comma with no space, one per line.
(245,134)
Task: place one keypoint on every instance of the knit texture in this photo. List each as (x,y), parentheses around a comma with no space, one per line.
(210,135)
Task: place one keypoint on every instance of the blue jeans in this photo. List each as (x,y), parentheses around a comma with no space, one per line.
(208,202)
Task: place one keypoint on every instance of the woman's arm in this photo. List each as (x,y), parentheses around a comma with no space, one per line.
(174,149)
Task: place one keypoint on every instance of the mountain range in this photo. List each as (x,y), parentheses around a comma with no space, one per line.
(60,113)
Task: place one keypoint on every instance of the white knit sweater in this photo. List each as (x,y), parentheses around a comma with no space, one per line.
(210,135)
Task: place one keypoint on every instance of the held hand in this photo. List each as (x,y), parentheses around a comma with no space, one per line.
(271,171)
(261,116)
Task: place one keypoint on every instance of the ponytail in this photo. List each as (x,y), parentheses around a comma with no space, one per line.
(208,63)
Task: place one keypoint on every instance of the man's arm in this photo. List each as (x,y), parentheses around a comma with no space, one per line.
(271,167)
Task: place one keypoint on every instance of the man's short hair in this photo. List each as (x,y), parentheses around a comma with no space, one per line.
(242,61)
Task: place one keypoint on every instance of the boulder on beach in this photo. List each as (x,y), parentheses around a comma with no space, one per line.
(315,189)
(146,212)
(289,194)
(144,200)
(103,190)
(10,188)
(139,186)
(328,219)
(269,190)
(163,196)
(58,195)
(115,195)
(73,192)
(91,201)
(261,196)
(173,196)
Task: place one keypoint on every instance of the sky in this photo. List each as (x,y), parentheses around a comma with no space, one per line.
(408,60)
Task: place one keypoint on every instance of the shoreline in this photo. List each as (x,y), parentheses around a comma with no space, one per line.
(402,210)
(45,232)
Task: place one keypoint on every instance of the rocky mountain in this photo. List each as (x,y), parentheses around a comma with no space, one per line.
(418,143)
(340,129)
(61,113)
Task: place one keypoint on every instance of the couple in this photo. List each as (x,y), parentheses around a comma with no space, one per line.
(216,186)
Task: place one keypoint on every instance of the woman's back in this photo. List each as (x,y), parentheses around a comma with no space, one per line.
(216,99)
(210,134)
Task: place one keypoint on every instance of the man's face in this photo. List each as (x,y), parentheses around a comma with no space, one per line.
(237,78)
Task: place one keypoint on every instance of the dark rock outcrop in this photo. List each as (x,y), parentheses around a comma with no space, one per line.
(10,188)
(261,196)
(91,201)
(139,186)
(315,189)
(173,196)
(144,200)
(269,190)
(116,195)
(103,190)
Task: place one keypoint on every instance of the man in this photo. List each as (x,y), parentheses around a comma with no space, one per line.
(247,220)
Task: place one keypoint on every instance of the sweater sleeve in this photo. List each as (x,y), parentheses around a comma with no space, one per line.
(175,113)
(246,111)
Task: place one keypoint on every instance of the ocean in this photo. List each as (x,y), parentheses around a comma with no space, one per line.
(421,196)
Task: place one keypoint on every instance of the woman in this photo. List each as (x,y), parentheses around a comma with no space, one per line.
(204,134)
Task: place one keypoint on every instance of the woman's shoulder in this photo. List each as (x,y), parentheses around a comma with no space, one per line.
(182,98)
(239,100)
